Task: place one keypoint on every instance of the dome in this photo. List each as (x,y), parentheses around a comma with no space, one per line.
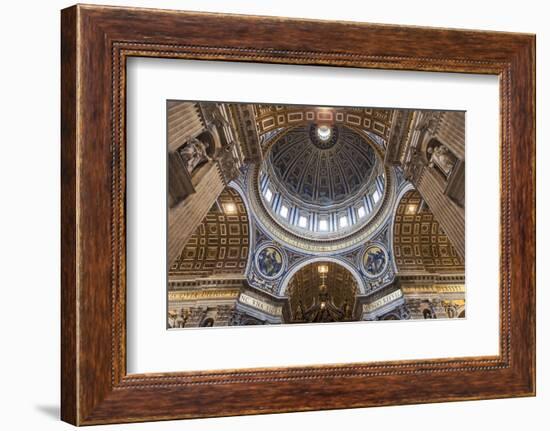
(323,166)
(321,179)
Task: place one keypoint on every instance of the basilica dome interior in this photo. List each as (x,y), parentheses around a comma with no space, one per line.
(288,214)
(316,188)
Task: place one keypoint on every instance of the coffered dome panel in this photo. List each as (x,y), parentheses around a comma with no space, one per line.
(322,180)
(321,173)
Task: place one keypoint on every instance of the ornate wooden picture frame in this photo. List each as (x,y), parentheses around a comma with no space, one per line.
(96,42)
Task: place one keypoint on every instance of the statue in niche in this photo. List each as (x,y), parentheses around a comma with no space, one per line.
(193,154)
(441,157)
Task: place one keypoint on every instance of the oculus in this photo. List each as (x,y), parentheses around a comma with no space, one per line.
(324,133)
(323,136)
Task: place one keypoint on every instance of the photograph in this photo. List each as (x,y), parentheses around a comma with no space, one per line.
(275,215)
(299,214)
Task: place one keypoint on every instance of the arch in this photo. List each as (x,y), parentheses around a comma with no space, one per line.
(315,297)
(221,242)
(293,270)
(408,187)
(236,186)
(419,243)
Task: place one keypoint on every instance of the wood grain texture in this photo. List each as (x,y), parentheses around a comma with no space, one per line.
(69,398)
(96,41)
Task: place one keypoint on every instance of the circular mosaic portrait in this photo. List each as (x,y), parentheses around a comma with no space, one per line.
(269,261)
(375,260)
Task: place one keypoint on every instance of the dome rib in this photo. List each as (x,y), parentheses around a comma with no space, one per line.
(321,176)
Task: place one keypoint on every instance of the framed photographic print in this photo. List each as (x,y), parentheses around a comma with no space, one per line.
(256,219)
(310,220)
